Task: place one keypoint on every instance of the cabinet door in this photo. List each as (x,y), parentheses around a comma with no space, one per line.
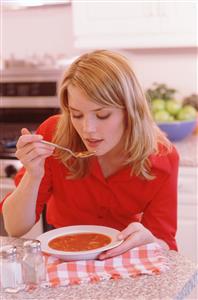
(188,185)
(187,239)
(115,18)
(98,24)
(187,233)
(178,23)
(132,24)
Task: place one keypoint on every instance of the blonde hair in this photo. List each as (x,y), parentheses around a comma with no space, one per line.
(107,78)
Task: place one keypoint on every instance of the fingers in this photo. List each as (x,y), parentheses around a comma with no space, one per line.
(134,235)
(127,244)
(29,148)
(34,162)
(130,229)
(33,150)
(27,137)
(25,131)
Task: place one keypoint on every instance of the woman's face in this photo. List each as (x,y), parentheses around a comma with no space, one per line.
(100,127)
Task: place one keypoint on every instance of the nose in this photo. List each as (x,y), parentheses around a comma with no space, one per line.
(89,125)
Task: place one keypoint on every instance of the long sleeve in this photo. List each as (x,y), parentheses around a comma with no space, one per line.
(160,215)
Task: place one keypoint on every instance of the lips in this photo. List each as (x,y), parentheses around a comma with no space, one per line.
(93,142)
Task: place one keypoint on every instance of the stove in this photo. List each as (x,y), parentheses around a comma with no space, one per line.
(28,97)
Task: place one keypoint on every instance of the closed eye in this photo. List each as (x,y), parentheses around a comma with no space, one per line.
(99,116)
(76,116)
(103,117)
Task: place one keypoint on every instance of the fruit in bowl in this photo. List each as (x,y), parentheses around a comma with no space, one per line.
(187,113)
(173,107)
(158,105)
(163,116)
(175,119)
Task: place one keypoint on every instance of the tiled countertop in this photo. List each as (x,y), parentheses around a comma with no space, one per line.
(188,151)
(176,283)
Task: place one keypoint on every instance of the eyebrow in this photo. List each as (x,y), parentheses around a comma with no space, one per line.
(97,109)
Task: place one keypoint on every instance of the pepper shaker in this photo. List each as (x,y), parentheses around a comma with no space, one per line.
(33,263)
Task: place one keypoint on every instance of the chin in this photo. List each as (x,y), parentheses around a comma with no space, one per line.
(99,153)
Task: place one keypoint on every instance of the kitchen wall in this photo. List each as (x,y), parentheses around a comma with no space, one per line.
(39,31)
(175,67)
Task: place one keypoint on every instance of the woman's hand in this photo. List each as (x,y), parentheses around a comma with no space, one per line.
(134,235)
(32,153)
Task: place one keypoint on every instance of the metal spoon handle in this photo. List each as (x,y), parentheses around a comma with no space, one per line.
(57,146)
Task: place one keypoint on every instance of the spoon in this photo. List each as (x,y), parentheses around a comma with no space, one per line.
(82,154)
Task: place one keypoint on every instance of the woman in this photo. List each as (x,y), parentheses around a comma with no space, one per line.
(131,182)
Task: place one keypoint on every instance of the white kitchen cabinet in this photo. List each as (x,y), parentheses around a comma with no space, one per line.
(100,24)
(187,235)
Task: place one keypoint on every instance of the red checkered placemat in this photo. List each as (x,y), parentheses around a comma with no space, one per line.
(147,259)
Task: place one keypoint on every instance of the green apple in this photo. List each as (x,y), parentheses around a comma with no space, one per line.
(173,107)
(157,105)
(187,112)
(163,116)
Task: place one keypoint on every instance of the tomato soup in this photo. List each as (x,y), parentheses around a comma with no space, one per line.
(79,242)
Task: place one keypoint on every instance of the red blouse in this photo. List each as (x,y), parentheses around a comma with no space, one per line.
(115,201)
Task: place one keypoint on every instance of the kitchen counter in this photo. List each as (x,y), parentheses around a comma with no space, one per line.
(188,150)
(176,283)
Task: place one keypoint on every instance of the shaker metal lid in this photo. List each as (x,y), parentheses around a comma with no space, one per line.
(32,244)
(8,250)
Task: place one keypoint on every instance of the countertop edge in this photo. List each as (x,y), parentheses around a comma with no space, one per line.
(188,288)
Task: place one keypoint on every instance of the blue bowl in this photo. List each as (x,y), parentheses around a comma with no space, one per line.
(177,130)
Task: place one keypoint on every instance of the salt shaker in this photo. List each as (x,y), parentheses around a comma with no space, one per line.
(10,270)
(33,263)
